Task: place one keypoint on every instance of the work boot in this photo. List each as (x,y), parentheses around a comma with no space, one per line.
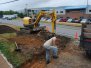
(47,62)
(55,57)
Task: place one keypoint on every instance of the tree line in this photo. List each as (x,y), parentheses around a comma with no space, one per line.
(10,12)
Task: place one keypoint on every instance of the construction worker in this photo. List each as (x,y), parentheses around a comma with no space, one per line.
(51,45)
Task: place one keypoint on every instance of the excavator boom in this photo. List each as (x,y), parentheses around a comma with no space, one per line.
(53,17)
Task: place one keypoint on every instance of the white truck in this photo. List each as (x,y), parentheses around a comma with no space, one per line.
(10,17)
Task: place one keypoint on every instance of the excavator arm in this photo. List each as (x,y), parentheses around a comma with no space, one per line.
(53,17)
(39,16)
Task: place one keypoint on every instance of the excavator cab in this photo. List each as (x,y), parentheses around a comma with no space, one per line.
(26,21)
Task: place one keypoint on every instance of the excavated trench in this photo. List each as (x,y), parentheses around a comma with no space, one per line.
(32,44)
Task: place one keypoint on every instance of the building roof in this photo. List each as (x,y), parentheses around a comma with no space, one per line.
(76,7)
(64,7)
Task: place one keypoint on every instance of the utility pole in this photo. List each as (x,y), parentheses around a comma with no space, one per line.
(88,9)
(26,9)
(87,6)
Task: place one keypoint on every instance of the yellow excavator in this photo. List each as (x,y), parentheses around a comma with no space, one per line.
(34,26)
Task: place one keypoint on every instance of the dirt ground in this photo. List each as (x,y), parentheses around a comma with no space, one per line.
(70,55)
(32,44)
(6,29)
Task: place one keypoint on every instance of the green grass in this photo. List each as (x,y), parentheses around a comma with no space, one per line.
(8,49)
(8,35)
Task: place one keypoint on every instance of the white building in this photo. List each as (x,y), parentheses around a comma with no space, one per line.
(60,11)
(66,11)
(88,10)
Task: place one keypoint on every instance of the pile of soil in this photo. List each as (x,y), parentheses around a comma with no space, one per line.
(6,29)
(63,40)
(29,43)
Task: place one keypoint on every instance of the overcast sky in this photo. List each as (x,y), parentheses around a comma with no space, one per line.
(21,4)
